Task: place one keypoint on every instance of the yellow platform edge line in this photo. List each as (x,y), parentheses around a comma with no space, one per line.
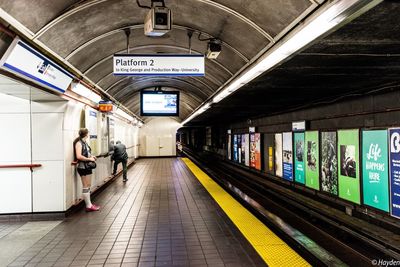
(273,250)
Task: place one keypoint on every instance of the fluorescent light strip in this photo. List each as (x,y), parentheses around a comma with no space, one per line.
(124,115)
(82,90)
(326,21)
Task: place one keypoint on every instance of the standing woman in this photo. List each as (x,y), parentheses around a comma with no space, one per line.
(82,155)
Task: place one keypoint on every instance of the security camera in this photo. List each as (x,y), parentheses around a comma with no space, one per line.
(157,21)
(213,49)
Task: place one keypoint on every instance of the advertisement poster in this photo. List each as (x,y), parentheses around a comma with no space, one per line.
(394,161)
(278,155)
(255,150)
(269,153)
(105,142)
(312,159)
(247,153)
(299,159)
(229,147)
(111,133)
(349,165)
(245,150)
(329,163)
(239,141)
(375,169)
(287,156)
(91,125)
(235,148)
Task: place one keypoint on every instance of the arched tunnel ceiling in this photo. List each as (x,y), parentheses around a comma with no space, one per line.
(361,58)
(87,34)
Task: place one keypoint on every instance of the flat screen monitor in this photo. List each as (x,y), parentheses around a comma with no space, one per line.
(154,103)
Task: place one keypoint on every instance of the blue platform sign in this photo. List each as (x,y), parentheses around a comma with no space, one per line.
(26,62)
(394,160)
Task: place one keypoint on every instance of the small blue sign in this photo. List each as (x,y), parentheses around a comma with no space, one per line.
(288,171)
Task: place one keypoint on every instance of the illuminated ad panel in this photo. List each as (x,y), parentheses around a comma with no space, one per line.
(287,156)
(349,165)
(394,164)
(299,160)
(375,169)
(312,159)
(329,163)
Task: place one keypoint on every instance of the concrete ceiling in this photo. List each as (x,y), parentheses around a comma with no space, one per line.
(88,33)
(360,58)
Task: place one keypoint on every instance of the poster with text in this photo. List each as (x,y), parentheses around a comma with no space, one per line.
(349,165)
(394,162)
(247,149)
(111,133)
(239,140)
(269,153)
(278,155)
(255,150)
(91,125)
(105,142)
(299,159)
(312,159)
(243,149)
(287,156)
(235,148)
(229,146)
(375,175)
(329,163)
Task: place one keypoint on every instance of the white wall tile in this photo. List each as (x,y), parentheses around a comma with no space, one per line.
(56,106)
(47,136)
(15,138)
(15,190)
(12,104)
(48,186)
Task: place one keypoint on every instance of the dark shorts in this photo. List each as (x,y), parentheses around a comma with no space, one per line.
(84,172)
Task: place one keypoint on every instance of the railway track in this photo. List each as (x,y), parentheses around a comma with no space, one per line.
(322,240)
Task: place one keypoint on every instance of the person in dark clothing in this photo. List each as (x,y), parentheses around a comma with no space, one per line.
(120,156)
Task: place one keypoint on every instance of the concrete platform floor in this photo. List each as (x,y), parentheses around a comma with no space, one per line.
(161,217)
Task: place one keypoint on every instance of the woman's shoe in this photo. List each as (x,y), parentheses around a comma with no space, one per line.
(93,208)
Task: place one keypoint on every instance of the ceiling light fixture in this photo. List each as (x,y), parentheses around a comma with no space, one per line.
(82,90)
(124,115)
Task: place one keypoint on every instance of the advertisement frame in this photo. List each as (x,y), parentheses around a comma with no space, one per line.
(359,167)
(294,159)
(320,160)
(307,177)
(390,174)
(291,178)
(267,145)
(388,171)
(281,156)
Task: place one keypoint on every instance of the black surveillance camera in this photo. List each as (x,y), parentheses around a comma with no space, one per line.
(213,48)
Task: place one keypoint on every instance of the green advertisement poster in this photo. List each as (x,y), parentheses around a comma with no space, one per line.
(312,159)
(349,162)
(299,158)
(375,169)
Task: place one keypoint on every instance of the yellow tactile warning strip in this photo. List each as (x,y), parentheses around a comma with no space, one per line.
(273,250)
